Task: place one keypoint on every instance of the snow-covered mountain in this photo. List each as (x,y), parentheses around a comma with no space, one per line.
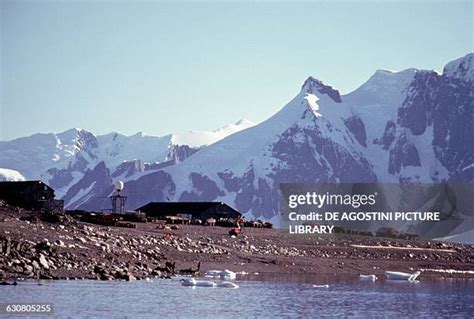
(9,175)
(63,159)
(466,238)
(413,125)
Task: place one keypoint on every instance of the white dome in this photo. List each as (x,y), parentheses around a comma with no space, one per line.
(119,185)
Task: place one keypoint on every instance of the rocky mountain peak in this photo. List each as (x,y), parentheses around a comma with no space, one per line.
(80,138)
(388,81)
(314,86)
(462,68)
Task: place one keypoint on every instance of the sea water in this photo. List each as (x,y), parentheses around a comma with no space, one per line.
(162,298)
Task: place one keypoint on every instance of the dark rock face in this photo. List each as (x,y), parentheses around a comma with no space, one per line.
(95,181)
(87,141)
(179,153)
(261,200)
(315,86)
(446,104)
(304,156)
(416,112)
(317,159)
(176,154)
(462,68)
(267,199)
(154,187)
(204,189)
(129,168)
(158,166)
(242,186)
(453,126)
(62,177)
(388,136)
(357,128)
(404,154)
(464,175)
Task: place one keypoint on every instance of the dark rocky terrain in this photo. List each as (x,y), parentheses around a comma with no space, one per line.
(36,246)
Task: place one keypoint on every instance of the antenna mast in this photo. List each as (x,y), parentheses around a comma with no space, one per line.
(118,200)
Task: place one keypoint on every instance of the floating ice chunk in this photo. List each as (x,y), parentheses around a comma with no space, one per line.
(320,286)
(397,275)
(197,283)
(368,277)
(220,274)
(227,284)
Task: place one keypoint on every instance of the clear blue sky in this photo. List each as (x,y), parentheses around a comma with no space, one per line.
(159,67)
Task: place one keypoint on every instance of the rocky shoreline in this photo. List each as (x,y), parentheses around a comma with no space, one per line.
(34,247)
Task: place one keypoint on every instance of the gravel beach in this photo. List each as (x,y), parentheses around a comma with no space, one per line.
(70,249)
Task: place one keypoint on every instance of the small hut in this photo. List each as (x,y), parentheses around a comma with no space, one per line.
(33,195)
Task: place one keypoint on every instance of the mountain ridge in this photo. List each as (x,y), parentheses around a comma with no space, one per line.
(407,126)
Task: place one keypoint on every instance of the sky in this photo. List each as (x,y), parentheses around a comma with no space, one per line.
(162,67)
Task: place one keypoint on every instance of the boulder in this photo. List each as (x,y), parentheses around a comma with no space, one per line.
(43,261)
(35,264)
(130,277)
(60,243)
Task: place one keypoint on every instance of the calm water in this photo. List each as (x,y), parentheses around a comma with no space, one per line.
(167,298)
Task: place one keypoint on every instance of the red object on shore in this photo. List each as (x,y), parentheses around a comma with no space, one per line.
(235,231)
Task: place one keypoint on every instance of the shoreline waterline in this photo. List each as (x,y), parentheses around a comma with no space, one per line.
(254,298)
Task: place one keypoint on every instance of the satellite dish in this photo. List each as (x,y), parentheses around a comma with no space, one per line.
(118,186)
